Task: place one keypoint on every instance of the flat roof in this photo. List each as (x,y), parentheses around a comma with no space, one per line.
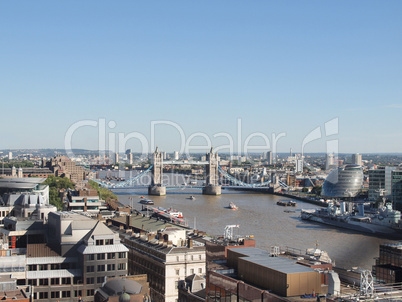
(263,258)
(21,183)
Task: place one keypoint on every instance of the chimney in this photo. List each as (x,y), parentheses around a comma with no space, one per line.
(121,227)
(128,220)
(189,243)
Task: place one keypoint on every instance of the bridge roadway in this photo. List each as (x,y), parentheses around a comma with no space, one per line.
(184,162)
(198,187)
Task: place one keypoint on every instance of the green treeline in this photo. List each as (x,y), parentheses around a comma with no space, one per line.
(103,193)
(57,184)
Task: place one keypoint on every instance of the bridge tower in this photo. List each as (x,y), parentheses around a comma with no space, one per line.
(156,187)
(212,186)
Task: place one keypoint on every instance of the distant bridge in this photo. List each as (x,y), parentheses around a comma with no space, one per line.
(211,187)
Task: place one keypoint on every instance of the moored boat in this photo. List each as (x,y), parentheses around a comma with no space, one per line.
(287,203)
(385,221)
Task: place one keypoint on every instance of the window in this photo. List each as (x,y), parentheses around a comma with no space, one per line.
(101,256)
(177,258)
(43,295)
(199,257)
(121,266)
(192,271)
(100,279)
(122,255)
(176,284)
(177,272)
(200,270)
(32,282)
(55,294)
(90,280)
(65,280)
(43,281)
(101,268)
(90,269)
(54,266)
(55,281)
(90,257)
(90,292)
(77,293)
(109,241)
(111,255)
(111,267)
(192,257)
(32,267)
(65,294)
(43,267)
(99,242)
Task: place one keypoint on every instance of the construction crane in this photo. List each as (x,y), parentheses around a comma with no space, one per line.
(229,235)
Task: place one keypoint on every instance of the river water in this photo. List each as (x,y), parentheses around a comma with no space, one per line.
(259,215)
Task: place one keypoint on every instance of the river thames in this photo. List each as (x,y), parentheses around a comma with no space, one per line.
(259,215)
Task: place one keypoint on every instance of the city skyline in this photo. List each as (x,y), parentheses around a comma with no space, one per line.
(279,68)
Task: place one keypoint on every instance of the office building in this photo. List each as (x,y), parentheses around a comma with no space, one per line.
(24,197)
(396,188)
(176,155)
(130,158)
(330,161)
(269,158)
(85,200)
(167,257)
(380,180)
(346,181)
(299,165)
(357,159)
(62,166)
(10,155)
(388,266)
(263,276)
(68,257)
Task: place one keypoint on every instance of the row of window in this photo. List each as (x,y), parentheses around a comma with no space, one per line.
(4,213)
(101,268)
(102,256)
(62,294)
(104,242)
(191,271)
(104,267)
(53,266)
(45,281)
(192,257)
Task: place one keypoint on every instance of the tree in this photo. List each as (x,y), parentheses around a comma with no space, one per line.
(103,193)
(56,185)
(316,190)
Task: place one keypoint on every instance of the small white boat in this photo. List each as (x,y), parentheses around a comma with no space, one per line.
(232,206)
(192,197)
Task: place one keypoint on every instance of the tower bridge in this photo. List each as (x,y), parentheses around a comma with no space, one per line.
(212,184)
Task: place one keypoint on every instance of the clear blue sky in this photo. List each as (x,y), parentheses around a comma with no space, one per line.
(279,66)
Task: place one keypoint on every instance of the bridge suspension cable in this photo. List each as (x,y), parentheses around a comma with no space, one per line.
(241,183)
(126,183)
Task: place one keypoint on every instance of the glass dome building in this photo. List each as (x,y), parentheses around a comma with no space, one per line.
(346,181)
